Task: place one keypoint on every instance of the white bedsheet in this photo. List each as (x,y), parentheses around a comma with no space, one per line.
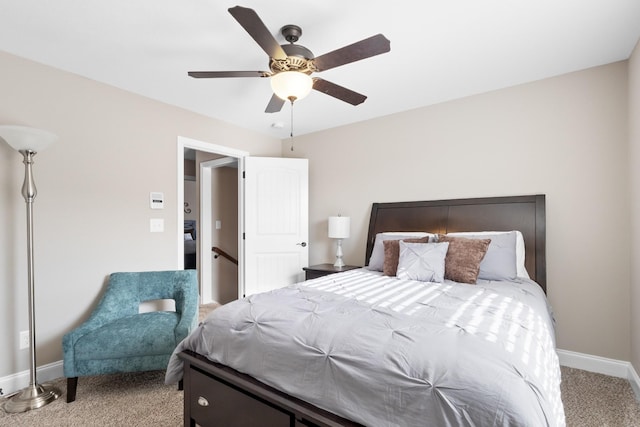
(387,352)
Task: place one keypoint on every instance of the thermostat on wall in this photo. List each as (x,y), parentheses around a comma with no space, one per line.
(156,200)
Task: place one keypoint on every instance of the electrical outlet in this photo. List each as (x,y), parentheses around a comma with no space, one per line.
(24,340)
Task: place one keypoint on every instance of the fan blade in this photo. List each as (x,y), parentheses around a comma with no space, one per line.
(253,25)
(337,91)
(275,104)
(366,48)
(218,74)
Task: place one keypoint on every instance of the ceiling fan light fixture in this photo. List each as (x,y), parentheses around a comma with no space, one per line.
(291,84)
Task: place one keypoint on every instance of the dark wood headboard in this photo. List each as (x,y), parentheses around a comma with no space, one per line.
(523,213)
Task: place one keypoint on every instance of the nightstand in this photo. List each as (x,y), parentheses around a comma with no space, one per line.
(319,270)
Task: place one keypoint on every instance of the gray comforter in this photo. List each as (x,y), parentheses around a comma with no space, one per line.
(387,352)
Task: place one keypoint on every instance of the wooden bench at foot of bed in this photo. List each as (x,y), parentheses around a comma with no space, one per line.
(216,395)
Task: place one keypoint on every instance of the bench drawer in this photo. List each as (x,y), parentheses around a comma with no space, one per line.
(214,403)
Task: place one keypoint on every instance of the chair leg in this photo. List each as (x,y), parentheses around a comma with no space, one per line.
(181,385)
(72,386)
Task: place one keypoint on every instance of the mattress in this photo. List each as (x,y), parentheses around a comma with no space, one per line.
(387,352)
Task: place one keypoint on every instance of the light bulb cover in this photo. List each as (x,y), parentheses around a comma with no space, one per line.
(288,84)
(27,138)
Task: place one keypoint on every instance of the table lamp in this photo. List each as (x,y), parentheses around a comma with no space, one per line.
(339,229)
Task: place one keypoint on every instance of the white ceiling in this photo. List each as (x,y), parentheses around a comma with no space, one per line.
(440,50)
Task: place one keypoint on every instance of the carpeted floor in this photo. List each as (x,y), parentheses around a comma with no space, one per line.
(205,309)
(139,399)
(596,400)
(142,399)
(590,400)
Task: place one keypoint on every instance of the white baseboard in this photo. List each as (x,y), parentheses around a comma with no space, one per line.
(16,382)
(635,382)
(601,365)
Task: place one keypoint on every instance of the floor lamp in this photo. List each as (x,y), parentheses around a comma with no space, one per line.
(29,141)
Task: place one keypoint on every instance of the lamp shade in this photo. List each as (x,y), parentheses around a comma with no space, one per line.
(288,84)
(339,227)
(27,138)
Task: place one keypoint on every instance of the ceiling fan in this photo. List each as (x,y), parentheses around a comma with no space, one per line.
(291,65)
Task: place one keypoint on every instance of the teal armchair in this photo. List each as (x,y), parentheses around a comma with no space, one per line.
(117,338)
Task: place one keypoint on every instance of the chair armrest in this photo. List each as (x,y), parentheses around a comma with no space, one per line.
(96,320)
(117,302)
(186,298)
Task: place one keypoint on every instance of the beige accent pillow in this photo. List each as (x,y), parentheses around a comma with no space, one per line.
(392,254)
(462,263)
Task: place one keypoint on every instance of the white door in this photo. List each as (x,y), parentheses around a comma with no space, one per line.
(276,222)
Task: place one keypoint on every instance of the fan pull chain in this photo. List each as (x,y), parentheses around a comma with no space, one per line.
(291,98)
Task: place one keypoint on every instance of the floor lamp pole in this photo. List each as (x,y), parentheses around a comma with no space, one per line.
(35,395)
(29,193)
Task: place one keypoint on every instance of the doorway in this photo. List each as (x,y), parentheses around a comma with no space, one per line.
(218,182)
(223,158)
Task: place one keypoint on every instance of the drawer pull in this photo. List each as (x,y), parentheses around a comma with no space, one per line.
(202,401)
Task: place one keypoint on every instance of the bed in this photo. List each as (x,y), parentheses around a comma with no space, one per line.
(367,348)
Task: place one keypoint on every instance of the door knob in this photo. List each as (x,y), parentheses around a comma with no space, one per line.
(303,244)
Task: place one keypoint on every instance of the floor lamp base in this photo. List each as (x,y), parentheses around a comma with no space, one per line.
(32,397)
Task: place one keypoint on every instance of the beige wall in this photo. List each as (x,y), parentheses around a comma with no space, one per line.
(634,167)
(189,168)
(92,211)
(565,137)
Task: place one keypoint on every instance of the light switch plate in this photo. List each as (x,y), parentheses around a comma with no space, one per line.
(156,225)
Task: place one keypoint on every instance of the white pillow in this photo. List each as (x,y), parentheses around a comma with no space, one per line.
(521,270)
(376,260)
(422,261)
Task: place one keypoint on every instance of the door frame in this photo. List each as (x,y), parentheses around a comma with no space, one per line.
(205,279)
